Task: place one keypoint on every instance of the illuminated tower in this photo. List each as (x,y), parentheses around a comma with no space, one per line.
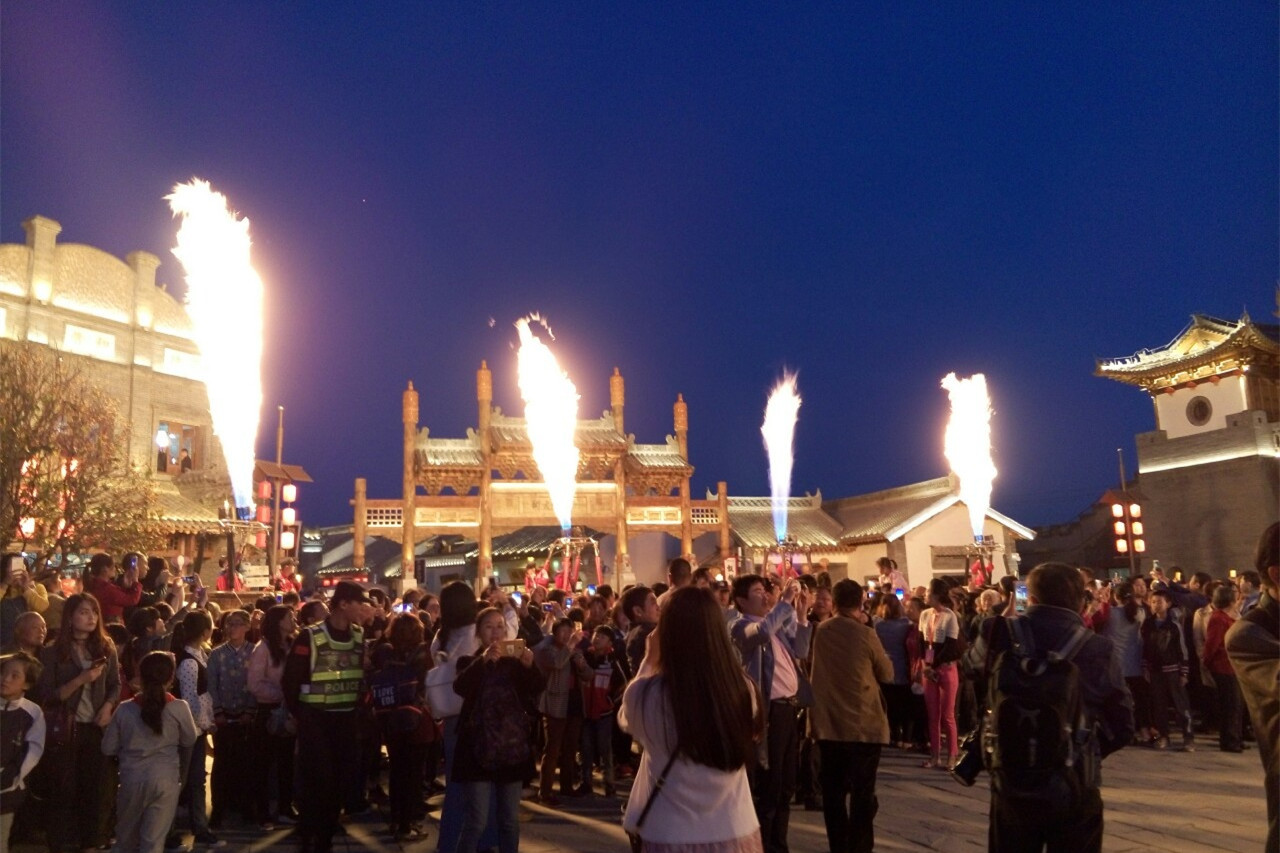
(1211,469)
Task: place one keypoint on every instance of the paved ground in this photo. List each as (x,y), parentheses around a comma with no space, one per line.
(1156,801)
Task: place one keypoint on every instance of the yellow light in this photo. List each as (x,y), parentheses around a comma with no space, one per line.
(162,439)
(1233,574)
(1119,528)
(288,493)
(551,416)
(288,516)
(287,540)
(224,301)
(27,527)
(1117,510)
(1139,545)
(1137,528)
(1135,511)
(779,429)
(1122,546)
(968,444)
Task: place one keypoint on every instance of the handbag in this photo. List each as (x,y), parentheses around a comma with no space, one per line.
(59,724)
(637,842)
(443,699)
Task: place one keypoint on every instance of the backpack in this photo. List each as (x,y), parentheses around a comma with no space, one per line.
(393,693)
(501,725)
(1037,742)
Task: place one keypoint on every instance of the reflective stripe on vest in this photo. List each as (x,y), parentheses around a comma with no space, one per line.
(337,669)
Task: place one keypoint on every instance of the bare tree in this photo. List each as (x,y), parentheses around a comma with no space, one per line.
(65,479)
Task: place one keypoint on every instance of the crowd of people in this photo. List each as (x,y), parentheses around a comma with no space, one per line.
(724,702)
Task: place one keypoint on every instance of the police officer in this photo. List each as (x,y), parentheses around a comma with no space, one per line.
(323,678)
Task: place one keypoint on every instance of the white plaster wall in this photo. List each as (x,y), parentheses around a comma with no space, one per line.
(1226,397)
(948,528)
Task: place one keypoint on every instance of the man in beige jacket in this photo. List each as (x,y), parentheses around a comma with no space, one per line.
(848,720)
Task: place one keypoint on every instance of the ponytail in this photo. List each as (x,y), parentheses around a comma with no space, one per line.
(156,671)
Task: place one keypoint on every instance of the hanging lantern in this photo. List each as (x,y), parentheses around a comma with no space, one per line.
(264,490)
(287,540)
(288,516)
(289,493)
(264,514)
(260,540)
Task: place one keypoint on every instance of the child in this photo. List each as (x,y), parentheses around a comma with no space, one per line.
(22,722)
(600,697)
(152,734)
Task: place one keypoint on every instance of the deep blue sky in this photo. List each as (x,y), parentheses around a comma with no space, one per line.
(874,195)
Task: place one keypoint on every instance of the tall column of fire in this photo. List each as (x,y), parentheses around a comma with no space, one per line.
(410,418)
(681,412)
(484,401)
(617,400)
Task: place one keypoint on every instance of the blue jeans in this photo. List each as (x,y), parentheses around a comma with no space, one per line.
(451,813)
(477,815)
(597,743)
(193,787)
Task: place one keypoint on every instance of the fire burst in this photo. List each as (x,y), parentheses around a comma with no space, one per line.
(779,430)
(224,299)
(551,413)
(968,444)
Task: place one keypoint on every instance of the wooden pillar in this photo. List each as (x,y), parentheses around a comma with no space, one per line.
(722,502)
(622,557)
(410,419)
(681,417)
(484,401)
(359,526)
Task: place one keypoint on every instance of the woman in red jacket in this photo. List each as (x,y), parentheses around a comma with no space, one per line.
(1230,700)
(113,598)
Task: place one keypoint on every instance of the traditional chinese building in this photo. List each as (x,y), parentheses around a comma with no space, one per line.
(487,484)
(1209,471)
(133,339)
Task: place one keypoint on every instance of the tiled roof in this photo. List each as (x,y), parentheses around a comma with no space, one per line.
(872,517)
(892,513)
(1197,342)
(535,539)
(507,430)
(451,452)
(658,455)
(751,521)
(177,513)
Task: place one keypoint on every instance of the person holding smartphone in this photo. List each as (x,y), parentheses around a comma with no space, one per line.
(79,688)
(19,594)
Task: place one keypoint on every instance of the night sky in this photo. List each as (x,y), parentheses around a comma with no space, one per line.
(873,195)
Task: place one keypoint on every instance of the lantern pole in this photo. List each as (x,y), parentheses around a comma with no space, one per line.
(273,551)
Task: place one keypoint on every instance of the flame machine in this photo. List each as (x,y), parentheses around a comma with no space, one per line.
(570,549)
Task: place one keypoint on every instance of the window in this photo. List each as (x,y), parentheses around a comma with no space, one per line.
(178,448)
(1199,410)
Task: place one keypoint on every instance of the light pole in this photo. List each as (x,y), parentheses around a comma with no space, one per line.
(273,557)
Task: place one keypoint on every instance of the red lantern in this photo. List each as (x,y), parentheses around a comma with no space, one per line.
(264,490)
(264,514)
(261,539)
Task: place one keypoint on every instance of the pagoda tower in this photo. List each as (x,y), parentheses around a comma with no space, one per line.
(1210,471)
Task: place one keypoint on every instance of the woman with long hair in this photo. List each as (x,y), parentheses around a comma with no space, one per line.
(938,625)
(275,731)
(398,666)
(692,709)
(893,627)
(495,749)
(152,735)
(81,683)
(191,648)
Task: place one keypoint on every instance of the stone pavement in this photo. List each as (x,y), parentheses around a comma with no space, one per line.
(1155,801)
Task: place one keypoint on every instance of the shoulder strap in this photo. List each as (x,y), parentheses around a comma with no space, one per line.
(1020,637)
(657,789)
(1079,636)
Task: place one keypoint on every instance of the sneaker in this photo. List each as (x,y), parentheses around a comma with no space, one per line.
(208,839)
(1160,743)
(1189,743)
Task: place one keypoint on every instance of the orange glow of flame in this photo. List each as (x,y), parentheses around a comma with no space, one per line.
(779,430)
(968,443)
(551,416)
(224,299)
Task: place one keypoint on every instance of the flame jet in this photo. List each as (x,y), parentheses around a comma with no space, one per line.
(224,299)
(968,444)
(551,413)
(779,431)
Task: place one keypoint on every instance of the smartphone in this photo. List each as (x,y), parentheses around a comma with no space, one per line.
(517,598)
(403,608)
(568,602)
(549,607)
(1020,598)
(189,579)
(591,590)
(900,593)
(96,662)
(279,598)
(512,648)
(577,626)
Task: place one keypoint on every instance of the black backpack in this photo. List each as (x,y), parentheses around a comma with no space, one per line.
(502,731)
(393,692)
(1037,743)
